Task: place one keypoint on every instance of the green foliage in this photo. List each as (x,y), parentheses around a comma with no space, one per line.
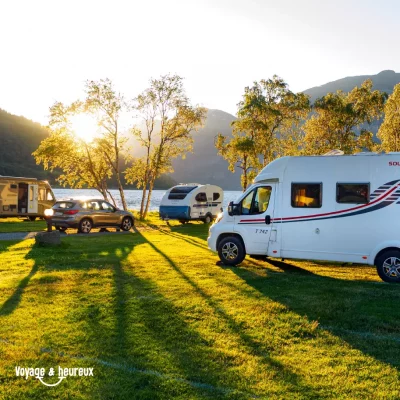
(338,115)
(240,152)
(268,126)
(389,131)
(82,164)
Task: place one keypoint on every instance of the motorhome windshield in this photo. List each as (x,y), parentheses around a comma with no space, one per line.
(180,192)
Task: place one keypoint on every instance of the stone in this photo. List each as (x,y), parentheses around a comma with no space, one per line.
(48,238)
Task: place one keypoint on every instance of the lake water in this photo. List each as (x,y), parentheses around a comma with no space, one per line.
(133,197)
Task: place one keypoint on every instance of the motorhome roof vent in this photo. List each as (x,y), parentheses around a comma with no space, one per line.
(334,152)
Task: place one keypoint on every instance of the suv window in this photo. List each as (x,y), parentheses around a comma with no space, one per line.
(307,195)
(94,205)
(106,206)
(64,204)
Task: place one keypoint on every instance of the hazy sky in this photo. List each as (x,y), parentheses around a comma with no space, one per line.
(49,48)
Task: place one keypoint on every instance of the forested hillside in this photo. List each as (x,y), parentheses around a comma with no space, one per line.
(19,137)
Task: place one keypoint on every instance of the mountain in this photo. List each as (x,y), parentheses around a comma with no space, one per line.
(384,81)
(19,137)
(204,165)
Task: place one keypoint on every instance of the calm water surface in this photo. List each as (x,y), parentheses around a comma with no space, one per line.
(133,197)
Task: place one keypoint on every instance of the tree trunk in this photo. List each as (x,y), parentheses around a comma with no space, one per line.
(148,198)
(121,191)
(144,192)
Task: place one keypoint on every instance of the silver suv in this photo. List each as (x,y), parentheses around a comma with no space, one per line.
(87,214)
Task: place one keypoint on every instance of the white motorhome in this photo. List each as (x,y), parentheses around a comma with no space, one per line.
(333,208)
(192,201)
(24,197)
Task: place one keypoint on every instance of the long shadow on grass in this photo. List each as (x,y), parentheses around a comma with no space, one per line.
(361,313)
(292,381)
(14,300)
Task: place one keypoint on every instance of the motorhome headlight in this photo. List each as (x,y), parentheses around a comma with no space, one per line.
(49,212)
(219,217)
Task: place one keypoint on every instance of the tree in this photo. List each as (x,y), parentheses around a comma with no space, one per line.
(82,163)
(337,117)
(240,152)
(268,111)
(165,105)
(389,131)
(107,105)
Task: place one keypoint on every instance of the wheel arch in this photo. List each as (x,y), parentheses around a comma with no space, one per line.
(230,234)
(384,251)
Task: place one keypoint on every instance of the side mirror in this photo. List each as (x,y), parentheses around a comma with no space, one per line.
(230,208)
(268,219)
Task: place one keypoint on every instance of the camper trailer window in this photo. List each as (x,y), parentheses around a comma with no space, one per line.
(216,196)
(307,195)
(352,192)
(180,192)
(201,197)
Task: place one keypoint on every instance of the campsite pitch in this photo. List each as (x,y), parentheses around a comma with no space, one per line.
(152,316)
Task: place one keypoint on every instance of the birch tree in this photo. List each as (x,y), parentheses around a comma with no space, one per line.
(389,131)
(163,105)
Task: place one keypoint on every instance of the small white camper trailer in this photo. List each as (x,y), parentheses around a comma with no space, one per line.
(192,201)
(334,208)
(24,197)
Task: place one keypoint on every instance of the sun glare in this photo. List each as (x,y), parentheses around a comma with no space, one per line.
(84,126)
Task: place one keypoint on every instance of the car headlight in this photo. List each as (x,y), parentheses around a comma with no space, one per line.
(49,212)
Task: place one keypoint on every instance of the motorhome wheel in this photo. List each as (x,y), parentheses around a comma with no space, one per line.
(388,266)
(231,251)
(32,219)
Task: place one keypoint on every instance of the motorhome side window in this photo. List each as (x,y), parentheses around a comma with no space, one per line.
(307,195)
(201,197)
(256,202)
(352,192)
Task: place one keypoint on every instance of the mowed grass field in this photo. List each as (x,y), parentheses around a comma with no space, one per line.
(156,318)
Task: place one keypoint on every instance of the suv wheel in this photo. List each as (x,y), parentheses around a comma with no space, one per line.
(231,251)
(126,224)
(85,226)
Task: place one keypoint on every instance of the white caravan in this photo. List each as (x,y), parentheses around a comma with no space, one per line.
(192,201)
(333,208)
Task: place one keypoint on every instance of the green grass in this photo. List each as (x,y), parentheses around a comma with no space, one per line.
(158,319)
(8,225)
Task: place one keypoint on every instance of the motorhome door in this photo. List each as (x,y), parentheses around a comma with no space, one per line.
(255,208)
(32,199)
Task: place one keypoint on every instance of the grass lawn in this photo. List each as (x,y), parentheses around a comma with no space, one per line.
(156,318)
(21,225)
